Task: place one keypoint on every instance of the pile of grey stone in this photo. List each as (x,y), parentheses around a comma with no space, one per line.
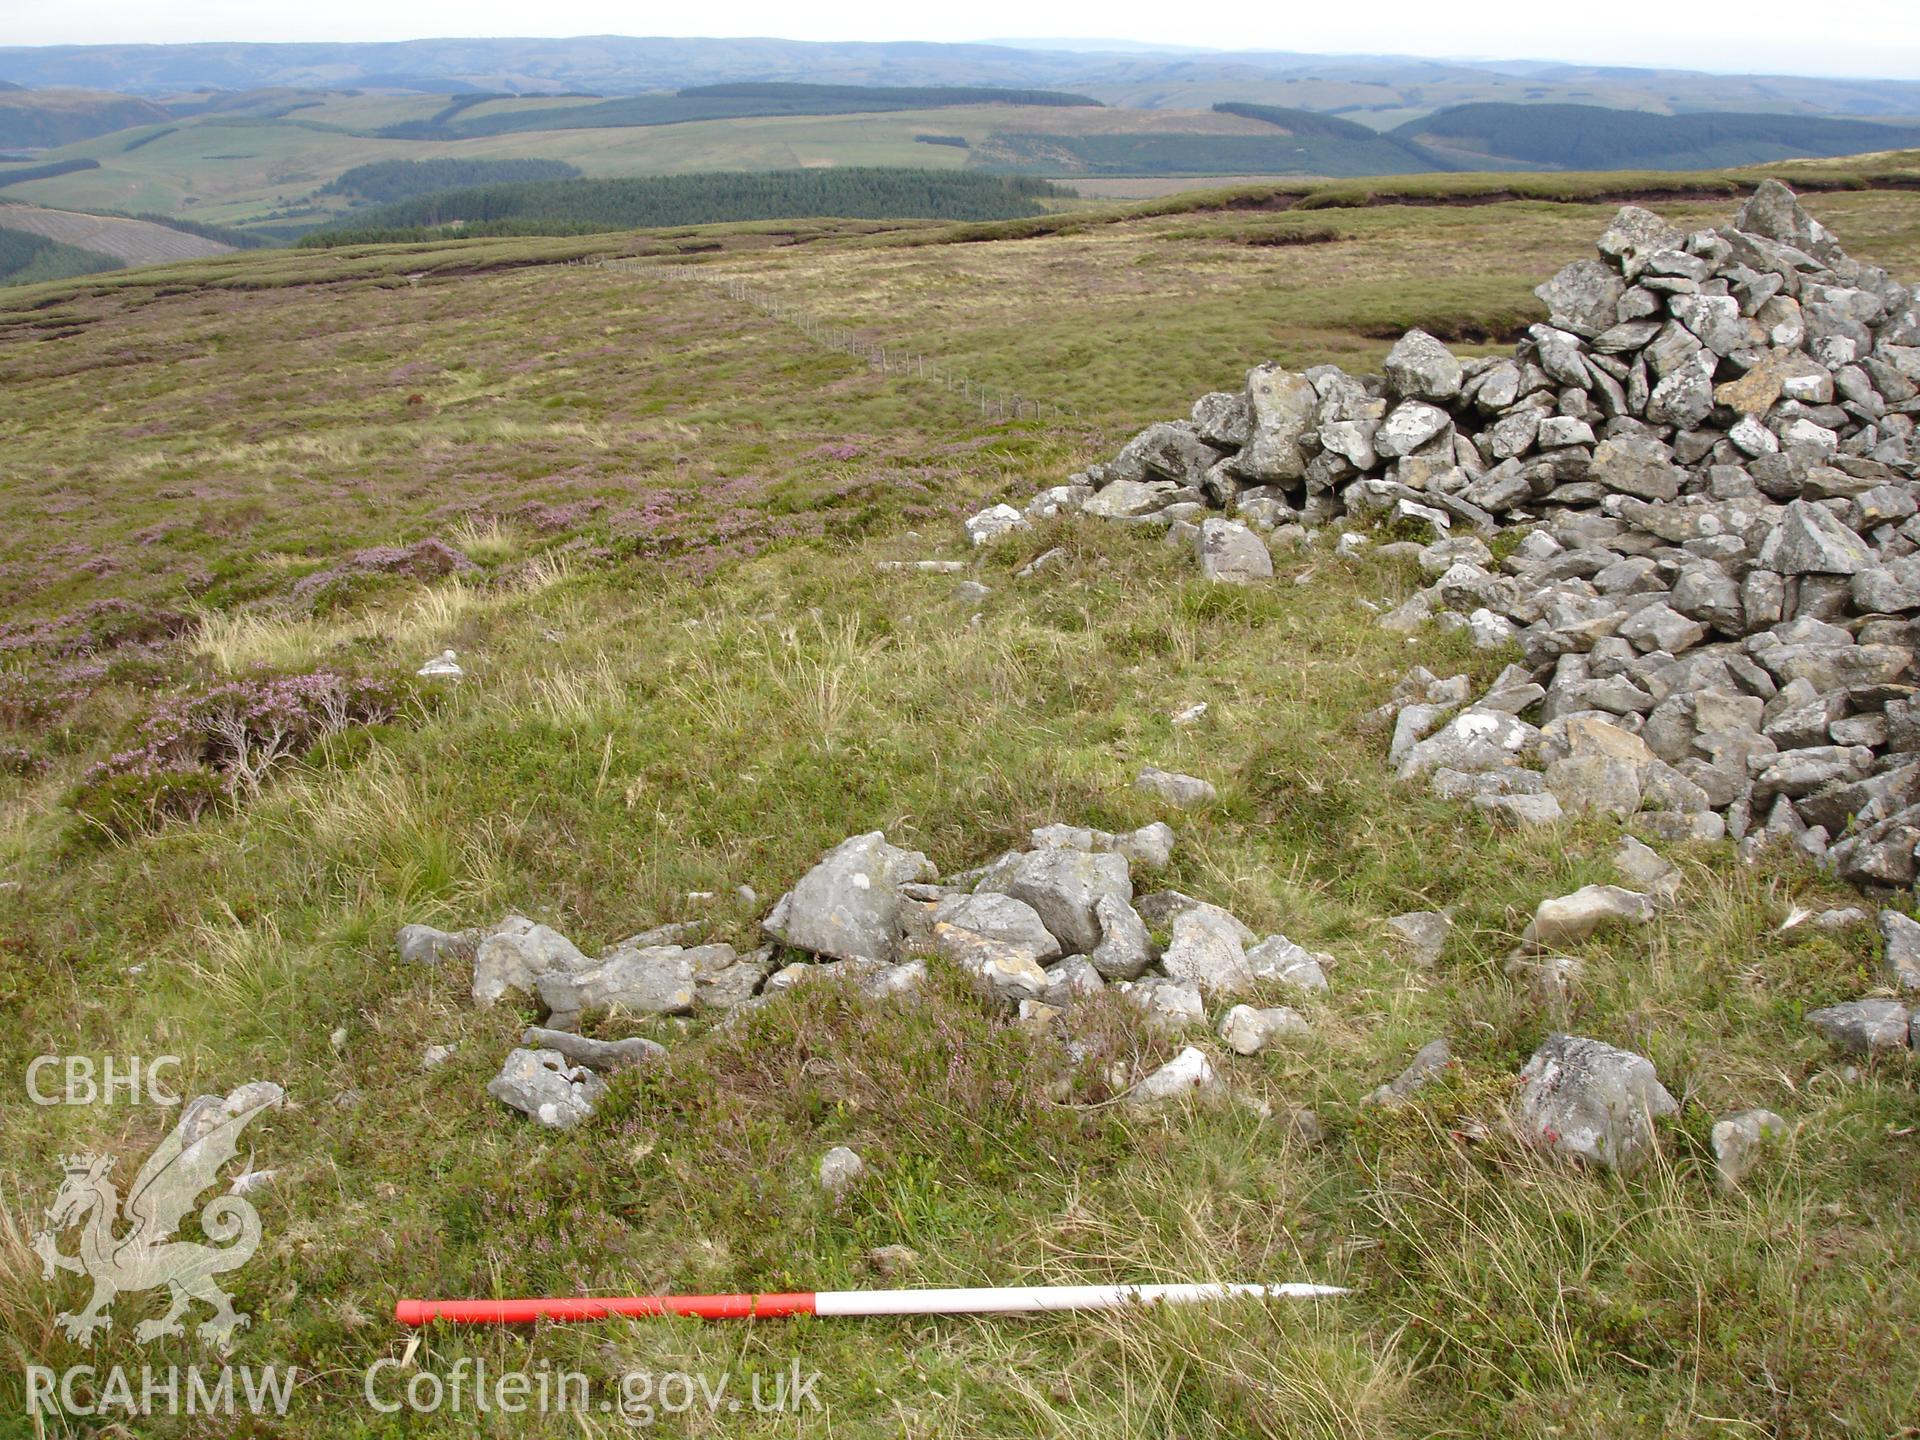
(1036,930)
(554,1076)
(1039,929)
(1710,446)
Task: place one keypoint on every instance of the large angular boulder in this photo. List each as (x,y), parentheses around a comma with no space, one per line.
(1591,1101)
(1284,408)
(849,905)
(1150,845)
(1000,918)
(1419,367)
(1411,424)
(1125,948)
(1637,465)
(1774,213)
(1584,297)
(1865,1027)
(1064,888)
(1472,742)
(1122,499)
(516,955)
(542,1085)
(1231,553)
(1282,960)
(1171,451)
(1810,541)
(1206,950)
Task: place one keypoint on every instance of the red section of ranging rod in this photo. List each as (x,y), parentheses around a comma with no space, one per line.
(525,1312)
(989,1300)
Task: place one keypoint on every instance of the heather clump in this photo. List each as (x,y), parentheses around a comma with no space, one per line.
(92,629)
(50,666)
(353,577)
(219,743)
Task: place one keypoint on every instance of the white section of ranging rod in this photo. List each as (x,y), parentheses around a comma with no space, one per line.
(1018,1299)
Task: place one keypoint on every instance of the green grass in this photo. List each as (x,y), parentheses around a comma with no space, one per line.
(705,682)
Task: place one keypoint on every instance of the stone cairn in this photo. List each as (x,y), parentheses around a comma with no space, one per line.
(1037,930)
(1710,448)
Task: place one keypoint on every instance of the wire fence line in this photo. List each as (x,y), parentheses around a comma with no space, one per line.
(992,401)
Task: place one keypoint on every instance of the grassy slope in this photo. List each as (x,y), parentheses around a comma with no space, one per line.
(670,713)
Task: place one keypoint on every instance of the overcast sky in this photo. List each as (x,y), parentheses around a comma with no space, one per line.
(1865,37)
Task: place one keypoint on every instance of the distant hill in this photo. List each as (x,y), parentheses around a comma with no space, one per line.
(1380,90)
(9,85)
(739,102)
(567,207)
(1590,137)
(1351,143)
(608,64)
(45,119)
(1283,142)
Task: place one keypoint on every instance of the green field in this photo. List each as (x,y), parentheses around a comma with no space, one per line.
(687,672)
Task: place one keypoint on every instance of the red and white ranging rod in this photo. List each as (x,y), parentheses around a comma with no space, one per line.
(993,1300)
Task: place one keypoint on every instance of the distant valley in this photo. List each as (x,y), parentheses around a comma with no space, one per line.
(254,140)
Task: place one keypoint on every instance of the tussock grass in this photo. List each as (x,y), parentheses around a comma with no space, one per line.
(485,538)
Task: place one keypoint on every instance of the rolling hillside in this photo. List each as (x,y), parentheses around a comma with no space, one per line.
(276,166)
(740,102)
(1586,137)
(43,119)
(272,159)
(27,258)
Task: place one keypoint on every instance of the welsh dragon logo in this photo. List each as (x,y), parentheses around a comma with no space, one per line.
(146,1257)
